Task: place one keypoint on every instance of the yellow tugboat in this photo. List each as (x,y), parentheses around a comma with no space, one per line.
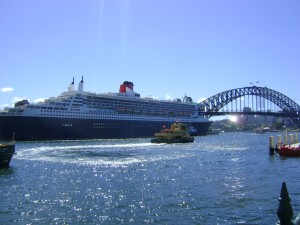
(178,133)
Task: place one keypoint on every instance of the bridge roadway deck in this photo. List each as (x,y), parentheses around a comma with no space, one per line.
(251,113)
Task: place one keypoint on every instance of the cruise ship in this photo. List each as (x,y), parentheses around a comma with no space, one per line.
(77,114)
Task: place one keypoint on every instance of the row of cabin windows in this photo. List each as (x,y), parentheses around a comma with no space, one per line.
(110,116)
(137,109)
(112,102)
(77,111)
(106,125)
(137,105)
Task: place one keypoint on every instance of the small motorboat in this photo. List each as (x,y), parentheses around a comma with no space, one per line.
(7,150)
(285,150)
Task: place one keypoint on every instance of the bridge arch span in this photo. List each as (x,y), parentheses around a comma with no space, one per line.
(218,101)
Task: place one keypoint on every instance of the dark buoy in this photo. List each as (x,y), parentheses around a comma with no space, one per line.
(284,211)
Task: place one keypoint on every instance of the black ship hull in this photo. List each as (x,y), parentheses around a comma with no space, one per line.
(6,153)
(51,128)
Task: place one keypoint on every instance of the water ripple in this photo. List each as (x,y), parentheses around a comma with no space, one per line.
(225,179)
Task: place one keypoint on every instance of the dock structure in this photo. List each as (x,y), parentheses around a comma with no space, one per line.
(289,141)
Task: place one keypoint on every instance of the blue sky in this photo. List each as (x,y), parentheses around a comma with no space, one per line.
(167,48)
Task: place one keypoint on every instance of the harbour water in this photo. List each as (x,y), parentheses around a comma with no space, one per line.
(219,179)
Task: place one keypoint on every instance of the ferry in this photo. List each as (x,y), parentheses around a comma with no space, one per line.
(77,114)
(178,133)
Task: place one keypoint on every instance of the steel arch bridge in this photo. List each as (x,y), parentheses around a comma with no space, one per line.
(215,104)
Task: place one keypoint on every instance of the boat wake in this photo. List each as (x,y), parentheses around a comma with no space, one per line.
(95,154)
